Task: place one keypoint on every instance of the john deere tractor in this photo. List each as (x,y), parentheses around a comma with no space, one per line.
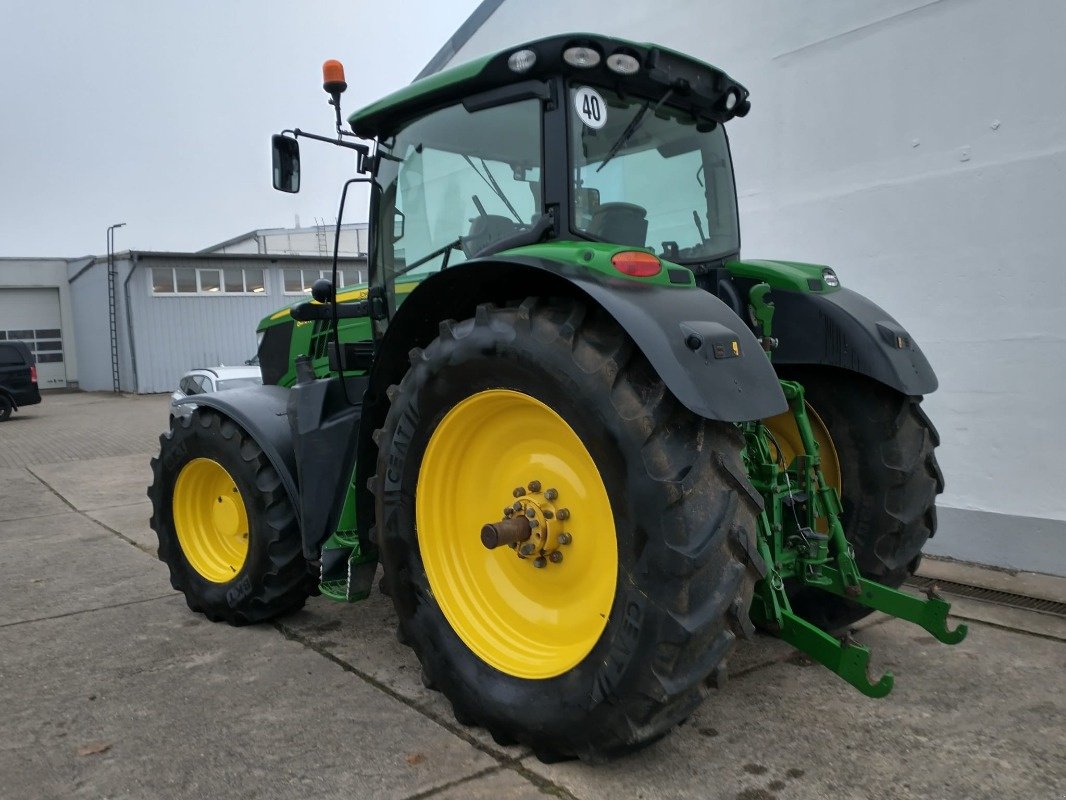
(589,446)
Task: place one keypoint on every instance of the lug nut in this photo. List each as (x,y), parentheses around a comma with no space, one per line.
(527,549)
(518,492)
(555,557)
(530,512)
(551,494)
(565,538)
(508,511)
(563,514)
(547,514)
(534,523)
(534,486)
(517,507)
(539,562)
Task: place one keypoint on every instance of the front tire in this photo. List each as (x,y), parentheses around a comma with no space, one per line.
(226,527)
(611,656)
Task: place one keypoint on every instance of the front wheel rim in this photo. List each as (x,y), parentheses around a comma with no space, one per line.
(533,615)
(211,520)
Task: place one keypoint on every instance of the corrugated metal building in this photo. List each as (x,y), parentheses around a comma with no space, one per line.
(184,310)
(179,310)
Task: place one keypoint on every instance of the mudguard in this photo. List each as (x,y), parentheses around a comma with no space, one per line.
(262,411)
(844,329)
(704,353)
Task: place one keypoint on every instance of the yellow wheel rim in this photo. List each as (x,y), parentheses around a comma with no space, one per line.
(527,619)
(786,435)
(210,520)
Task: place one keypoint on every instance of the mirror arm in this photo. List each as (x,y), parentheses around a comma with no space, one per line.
(362,149)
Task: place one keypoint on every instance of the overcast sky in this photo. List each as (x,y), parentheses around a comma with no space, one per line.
(160,114)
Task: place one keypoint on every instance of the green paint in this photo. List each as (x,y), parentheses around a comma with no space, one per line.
(412,92)
(596,257)
(795,276)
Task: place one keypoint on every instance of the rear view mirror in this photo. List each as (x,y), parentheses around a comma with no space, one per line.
(286,157)
(398,225)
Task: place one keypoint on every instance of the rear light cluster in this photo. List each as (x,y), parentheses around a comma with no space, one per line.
(33,373)
(637,263)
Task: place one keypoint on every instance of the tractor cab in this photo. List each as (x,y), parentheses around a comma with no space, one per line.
(582,139)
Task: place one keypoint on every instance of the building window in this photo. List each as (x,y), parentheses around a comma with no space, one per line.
(208,281)
(300,281)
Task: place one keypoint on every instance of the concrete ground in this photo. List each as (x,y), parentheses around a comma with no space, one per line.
(111,688)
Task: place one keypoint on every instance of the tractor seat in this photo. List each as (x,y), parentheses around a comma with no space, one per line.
(486,230)
(620,223)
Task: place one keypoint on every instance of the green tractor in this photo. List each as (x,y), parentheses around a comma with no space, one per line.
(589,446)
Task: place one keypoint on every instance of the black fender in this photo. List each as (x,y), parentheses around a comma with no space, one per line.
(844,329)
(262,411)
(704,353)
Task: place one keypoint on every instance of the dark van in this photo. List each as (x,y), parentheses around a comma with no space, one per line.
(18,378)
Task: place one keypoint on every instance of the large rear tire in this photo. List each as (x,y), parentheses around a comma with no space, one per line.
(890,479)
(226,527)
(607,649)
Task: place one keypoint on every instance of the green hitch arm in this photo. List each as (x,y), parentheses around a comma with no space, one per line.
(770,609)
(930,614)
(849,660)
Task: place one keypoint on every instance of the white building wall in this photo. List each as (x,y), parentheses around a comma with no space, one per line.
(919,147)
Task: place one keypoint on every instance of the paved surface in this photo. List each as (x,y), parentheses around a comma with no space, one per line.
(110,687)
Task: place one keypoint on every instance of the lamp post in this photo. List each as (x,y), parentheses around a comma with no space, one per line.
(111,315)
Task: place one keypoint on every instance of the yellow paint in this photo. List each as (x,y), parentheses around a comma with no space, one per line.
(526,622)
(211,520)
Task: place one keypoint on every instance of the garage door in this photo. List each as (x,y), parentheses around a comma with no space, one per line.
(32,315)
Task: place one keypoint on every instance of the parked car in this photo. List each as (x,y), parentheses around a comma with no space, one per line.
(211,379)
(18,378)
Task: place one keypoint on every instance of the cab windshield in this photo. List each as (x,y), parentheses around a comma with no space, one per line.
(646,174)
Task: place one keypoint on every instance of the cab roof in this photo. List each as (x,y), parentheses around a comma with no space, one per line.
(703,90)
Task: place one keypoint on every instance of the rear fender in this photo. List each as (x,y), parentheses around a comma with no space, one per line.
(704,353)
(844,329)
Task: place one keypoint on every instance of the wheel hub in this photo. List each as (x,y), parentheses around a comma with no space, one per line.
(534,526)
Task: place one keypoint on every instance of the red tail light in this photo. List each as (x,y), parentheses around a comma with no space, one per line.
(33,373)
(637,263)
